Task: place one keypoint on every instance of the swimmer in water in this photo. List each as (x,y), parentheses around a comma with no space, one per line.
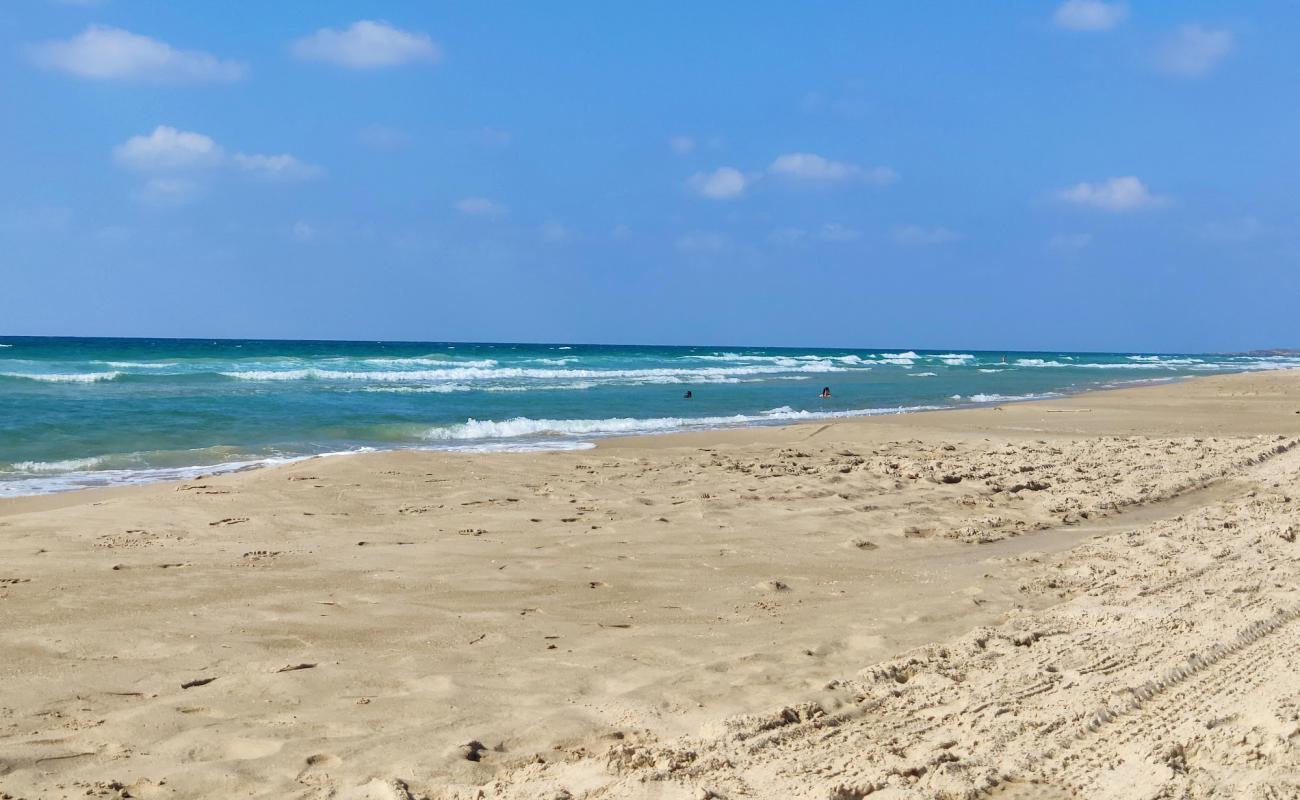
(826,392)
(688,395)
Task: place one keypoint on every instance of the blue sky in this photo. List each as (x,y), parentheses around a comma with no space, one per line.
(1079,175)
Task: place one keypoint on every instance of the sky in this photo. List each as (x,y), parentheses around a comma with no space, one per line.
(1082,175)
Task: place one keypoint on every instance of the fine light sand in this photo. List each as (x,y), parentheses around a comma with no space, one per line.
(1092,597)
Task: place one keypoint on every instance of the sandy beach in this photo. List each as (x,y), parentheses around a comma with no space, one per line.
(1095,596)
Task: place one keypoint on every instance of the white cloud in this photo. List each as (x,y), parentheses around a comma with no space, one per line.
(1069,242)
(721,184)
(702,242)
(835,232)
(480,207)
(1125,193)
(169,153)
(168,149)
(105,53)
(681,145)
(810,166)
(1089,15)
(918,235)
(367,44)
(1193,51)
(283,167)
(553,232)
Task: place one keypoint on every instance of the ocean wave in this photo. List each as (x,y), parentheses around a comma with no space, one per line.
(922,374)
(478,373)
(420,361)
(449,388)
(141,364)
(73,377)
(45,478)
(520,427)
(68,465)
(1008,398)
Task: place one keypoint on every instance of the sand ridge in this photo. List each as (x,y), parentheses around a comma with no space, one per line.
(735,614)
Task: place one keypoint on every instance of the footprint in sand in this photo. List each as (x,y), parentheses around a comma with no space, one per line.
(773,585)
(863,544)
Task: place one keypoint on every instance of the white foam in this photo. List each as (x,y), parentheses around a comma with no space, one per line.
(1010,398)
(520,427)
(50,377)
(69,465)
(480,373)
(922,374)
(951,357)
(84,478)
(424,361)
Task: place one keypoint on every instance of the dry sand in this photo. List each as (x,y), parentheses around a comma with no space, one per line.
(1091,597)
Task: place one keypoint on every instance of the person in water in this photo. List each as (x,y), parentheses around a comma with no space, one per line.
(688,395)
(826,391)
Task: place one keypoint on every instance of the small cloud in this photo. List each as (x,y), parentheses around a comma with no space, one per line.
(367,44)
(1089,15)
(1121,194)
(1234,231)
(787,236)
(283,167)
(105,53)
(303,232)
(168,149)
(834,232)
(382,137)
(919,235)
(1069,242)
(168,191)
(721,184)
(554,232)
(681,145)
(702,242)
(1193,51)
(812,167)
(481,207)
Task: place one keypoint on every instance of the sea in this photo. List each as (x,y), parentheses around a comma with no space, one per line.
(83,412)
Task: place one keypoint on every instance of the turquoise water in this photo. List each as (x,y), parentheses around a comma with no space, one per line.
(90,412)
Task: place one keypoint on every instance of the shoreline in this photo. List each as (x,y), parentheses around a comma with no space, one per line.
(525,625)
(594,442)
